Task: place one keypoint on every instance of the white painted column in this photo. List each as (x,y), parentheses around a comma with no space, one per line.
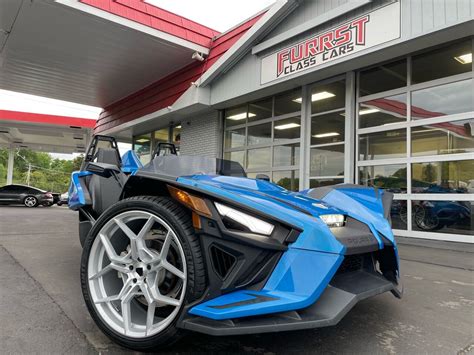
(11,159)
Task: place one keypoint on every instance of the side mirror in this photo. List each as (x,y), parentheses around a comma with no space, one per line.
(263,177)
(102,169)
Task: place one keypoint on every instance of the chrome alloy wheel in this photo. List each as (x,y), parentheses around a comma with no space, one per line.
(30,201)
(137,274)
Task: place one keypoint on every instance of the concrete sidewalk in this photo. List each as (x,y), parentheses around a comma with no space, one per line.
(42,311)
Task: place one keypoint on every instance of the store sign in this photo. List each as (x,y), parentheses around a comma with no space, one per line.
(366,31)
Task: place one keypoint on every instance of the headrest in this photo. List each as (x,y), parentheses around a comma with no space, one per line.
(107,155)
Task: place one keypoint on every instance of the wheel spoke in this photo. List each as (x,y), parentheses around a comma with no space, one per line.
(146,228)
(109,249)
(168,301)
(150,317)
(174,270)
(111,266)
(126,309)
(166,246)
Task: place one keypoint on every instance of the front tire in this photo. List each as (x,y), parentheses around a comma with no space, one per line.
(30,201)
(141,264)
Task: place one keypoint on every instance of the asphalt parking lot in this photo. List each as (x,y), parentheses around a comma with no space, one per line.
(41,307)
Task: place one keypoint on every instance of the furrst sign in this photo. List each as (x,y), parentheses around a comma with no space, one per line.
(365,31)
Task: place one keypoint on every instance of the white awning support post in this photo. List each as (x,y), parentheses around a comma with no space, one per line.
(11,159)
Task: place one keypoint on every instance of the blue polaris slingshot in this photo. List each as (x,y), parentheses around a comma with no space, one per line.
(190,243)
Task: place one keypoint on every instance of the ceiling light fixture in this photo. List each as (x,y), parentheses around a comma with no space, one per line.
(325,135)
(367,111)
(464,58)
(287,126)
(317,97)
(142,140)
(240,116)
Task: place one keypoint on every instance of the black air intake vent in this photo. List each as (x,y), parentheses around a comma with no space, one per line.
(222,261)
(351,263)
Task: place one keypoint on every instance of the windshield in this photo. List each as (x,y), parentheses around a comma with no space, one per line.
(184,165)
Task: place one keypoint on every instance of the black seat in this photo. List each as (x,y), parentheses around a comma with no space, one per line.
(105,191)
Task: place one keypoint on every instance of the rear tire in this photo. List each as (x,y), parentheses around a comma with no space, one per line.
(30,201)
(169,220)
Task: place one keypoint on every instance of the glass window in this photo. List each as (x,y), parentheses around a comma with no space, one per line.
(288,102)
(383,111)
(234,138)
(237,156)
(328,97)
(253,175)
(443,177)
(443,100)
(286,155)
(288,128)
(328,128)
(287,179)
(162,135)
(398,214)
(177,135)
(260,134)
(443,138)
(260,110)
(258,158)
(142,146)
(452,217)
(327,161)
(235,116)
(313,183)
(382,78)
(383,145)
(443,62)
(390,177)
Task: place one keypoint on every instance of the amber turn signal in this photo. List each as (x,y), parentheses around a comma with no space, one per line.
(195,203)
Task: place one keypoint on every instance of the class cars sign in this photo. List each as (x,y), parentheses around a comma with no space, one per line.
(365,31)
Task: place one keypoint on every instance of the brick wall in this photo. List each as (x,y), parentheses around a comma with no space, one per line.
(202,135)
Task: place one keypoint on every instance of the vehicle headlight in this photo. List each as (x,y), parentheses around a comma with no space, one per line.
(333,220)
(255,225)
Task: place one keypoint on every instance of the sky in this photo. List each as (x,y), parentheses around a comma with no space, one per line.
(219,15)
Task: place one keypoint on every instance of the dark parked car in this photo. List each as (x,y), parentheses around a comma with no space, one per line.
(26,195)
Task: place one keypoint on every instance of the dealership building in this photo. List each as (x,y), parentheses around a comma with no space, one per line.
(314,93)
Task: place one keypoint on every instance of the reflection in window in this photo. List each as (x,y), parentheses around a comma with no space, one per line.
(383,145)
(235,116)
(237,156)
(382,78)
(451,60)
(288,102)
(383,111)
(328,128)
(286,155)
(443,177)
(453,217)
(234,138)
(253,175)
(390,177)
(260,110)
(443,138)
(287,179)
(328,97)
(177,135)
(443,100)
(260,134)
(142,146)
(289,128)
(313,183)
(398,214)
(258,158)
(327,161)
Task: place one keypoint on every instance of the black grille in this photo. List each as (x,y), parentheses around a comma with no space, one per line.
(351,263)
(222,261)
